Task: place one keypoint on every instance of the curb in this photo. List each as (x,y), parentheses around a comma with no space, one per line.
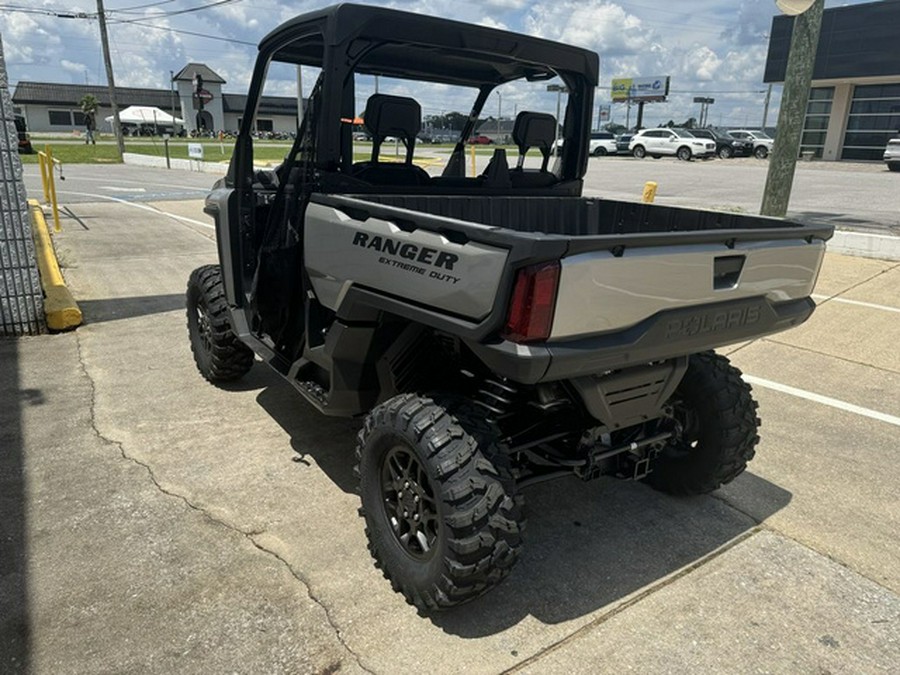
(60,308)
(865,245)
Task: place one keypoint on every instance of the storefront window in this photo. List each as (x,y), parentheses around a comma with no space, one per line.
(818,112)
(874,119)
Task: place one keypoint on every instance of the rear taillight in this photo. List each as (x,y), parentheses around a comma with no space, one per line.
(533,301)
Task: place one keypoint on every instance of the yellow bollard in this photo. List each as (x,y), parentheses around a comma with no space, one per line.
(472,147)
(42,163)
(649,192)
(53,203)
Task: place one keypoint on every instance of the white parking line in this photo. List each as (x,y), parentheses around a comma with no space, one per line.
(139,205)
(824,400)
(870,305)
(89,179)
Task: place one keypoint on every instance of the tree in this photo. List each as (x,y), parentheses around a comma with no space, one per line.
(89,107)
(89,104)
(615,128)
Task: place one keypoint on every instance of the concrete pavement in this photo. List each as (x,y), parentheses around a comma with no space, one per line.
(154,523)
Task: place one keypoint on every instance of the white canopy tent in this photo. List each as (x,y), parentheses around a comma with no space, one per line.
(142,114)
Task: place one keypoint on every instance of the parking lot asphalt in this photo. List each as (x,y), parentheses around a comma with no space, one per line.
(154,523)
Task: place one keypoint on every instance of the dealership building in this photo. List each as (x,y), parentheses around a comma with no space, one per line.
(854,105)
(54,107)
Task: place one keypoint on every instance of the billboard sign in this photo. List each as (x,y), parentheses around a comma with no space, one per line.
(640,88)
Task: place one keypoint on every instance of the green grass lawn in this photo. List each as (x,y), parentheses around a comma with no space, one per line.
(216,151)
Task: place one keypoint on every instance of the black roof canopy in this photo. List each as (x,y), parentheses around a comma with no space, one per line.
(388,42)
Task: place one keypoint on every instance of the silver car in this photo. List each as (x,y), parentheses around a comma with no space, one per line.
(892,154)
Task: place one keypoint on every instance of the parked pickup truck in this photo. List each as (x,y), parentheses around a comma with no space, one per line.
(490,330)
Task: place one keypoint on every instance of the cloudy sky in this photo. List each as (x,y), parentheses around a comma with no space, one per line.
(708,47)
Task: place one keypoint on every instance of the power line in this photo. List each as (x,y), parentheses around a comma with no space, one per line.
(58,13)
(165,15)
(136,7)
(186,32)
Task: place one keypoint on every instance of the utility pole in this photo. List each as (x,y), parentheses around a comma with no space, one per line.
(172,96)
(300,98)
(104,40)
(499,113)
(792,114)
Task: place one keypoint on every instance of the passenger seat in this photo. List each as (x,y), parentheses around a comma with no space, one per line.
(533,130)
(392,116)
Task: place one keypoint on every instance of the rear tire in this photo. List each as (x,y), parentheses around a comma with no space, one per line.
(600,152)
(761,152)
(684,153)
(219,355)
(894,166)
(442,518)
(725,152)
(639,152)
(717,416)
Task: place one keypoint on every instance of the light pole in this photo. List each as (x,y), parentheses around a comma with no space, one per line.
(172,93)
(499,113)
(794,99)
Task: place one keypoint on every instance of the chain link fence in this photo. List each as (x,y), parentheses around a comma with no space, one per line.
(21,298)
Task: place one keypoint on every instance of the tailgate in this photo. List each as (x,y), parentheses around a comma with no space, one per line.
(602,292)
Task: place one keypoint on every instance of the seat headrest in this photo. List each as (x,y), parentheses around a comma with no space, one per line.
(393,116)
(534,130)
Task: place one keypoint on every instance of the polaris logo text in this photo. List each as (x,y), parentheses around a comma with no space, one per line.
(712,322)
(420,254)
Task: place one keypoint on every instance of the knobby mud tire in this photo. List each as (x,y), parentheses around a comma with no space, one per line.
(219,355)
(721,432)
(479,515)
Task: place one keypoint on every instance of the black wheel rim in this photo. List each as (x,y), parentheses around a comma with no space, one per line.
(204,330)
(409,502)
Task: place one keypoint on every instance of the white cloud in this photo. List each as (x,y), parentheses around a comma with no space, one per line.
(602,26)
(706,45)
(71,67)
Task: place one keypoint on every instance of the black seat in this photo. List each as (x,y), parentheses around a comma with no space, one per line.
(533,130)
(392,116)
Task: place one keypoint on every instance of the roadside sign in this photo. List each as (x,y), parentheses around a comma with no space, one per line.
(640,88)
(204,96)
(195,150)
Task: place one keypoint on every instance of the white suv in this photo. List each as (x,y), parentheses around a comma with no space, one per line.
(892,154)
(665,141)
(762,142)
(601,143)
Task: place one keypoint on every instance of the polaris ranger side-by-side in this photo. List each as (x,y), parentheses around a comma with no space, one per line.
(493,330)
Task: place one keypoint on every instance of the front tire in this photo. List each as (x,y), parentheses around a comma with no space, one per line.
(894,166)
(600,152)
(684,153)
(639,152)
(761,152)
(716,415)
(725,152)
(219,355)
(442,518)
